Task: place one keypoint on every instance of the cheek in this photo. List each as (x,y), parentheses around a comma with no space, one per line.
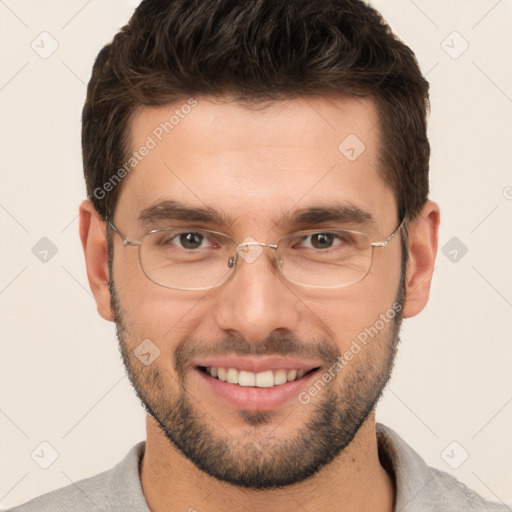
(162,315)
(347,312)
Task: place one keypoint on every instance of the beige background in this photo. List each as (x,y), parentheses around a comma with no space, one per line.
(61,378)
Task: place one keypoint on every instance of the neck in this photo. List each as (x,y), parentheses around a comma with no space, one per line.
(354,481)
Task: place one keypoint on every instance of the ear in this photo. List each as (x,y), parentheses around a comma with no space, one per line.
(94,242)
(423,240)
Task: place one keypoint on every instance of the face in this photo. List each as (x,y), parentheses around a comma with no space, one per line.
(255,173)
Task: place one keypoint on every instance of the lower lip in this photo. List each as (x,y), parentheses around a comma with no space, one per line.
(256,399)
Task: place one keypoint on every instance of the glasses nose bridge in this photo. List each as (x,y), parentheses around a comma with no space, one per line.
(242,251)
(253,243)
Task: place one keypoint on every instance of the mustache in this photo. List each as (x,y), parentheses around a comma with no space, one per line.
(285,344)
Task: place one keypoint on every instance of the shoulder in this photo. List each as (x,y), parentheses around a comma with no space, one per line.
(117,489)
(88,494)
(421,488)
(448,492)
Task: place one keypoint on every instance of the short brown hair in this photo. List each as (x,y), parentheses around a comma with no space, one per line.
(257,51)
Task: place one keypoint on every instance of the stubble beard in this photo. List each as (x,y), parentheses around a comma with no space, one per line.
(258,458)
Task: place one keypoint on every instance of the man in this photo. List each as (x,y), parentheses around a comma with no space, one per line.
(257,175)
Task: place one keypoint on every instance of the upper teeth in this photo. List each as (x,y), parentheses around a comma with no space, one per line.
(265,379)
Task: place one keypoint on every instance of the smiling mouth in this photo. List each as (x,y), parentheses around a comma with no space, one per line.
(265,379)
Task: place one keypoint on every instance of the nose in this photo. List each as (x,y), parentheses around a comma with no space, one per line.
(256,301)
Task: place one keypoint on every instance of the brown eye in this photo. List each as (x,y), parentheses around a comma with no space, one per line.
(191,240)
(322,240)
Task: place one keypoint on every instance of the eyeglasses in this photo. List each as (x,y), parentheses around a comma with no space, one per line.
(200,259)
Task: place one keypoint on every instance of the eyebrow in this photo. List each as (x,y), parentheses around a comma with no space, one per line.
(340,212)
(174,210)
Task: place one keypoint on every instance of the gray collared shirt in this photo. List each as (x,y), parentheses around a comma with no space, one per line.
(419,488)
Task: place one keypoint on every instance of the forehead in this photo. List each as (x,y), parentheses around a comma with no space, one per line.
(256,164)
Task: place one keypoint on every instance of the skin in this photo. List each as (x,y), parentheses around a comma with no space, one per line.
(256,166)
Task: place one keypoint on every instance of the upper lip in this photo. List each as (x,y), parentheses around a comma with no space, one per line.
(257,364)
